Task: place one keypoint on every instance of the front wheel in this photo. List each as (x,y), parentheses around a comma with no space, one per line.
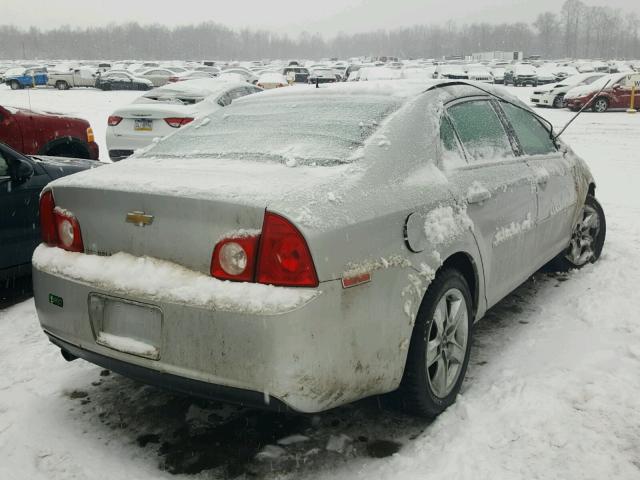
(601,105)
(587,238)
(439,349)
(558,102)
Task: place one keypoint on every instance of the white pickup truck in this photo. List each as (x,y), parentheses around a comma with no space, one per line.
(77,77)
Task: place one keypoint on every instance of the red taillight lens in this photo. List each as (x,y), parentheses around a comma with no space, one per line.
(173,79)
(113,120)
(68,231)
(58,227)
(235,259)
(178,122)
(48,231)
(284,257)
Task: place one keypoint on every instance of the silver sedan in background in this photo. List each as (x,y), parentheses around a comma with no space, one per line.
(305,248)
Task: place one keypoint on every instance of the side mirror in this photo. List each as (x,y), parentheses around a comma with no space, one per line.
(21,170)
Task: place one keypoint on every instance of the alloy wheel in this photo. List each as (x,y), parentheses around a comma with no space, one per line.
(583,240)
(447,342)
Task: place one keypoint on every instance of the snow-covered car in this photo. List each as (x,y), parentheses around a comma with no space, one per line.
(190,75)
(76,77)
(163,110)
(122,80)
(553,95)
(305,248)
(479,73)
(271,80)
(322,75)
(546,75)
(451,72)
(417,73)
(498,74)
(157,76)
(609,91)
(521,74)
(378,73)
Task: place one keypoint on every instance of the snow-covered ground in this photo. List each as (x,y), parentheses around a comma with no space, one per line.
(552,390)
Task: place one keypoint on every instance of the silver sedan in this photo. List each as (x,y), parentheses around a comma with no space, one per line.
(305,248)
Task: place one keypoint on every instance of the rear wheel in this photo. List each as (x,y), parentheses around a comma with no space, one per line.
(601,105)
(62,85)
(439,350)
(587,238)
(15,85)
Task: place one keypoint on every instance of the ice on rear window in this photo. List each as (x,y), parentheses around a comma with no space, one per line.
(172,98)
(296,129)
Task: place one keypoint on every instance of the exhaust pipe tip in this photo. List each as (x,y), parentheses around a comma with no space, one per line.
(68,356)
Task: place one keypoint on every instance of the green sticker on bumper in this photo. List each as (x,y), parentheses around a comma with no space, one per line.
(56,300)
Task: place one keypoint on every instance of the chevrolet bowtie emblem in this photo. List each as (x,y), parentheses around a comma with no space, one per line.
(139,218)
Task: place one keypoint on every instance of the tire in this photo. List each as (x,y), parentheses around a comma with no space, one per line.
(62,85)
(600,105)
(558,102)
(15,85)
(587,239)
(422,391)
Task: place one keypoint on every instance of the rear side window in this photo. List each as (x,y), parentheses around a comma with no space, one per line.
(534,138)
(480,131)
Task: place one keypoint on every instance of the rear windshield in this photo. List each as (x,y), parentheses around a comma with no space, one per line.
(173,98)
(292,129)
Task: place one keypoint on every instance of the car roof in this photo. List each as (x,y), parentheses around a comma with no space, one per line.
(201,87)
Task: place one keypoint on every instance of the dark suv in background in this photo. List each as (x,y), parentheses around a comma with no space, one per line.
(21,181)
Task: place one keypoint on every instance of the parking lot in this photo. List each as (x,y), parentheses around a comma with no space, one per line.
(553,376)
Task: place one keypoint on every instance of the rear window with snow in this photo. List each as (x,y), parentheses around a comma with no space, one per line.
(291,129)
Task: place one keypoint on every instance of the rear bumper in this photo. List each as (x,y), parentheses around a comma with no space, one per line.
(117,155)
(330,350)
(94,151)
(176,383)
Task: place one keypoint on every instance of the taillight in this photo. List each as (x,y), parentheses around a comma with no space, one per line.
(284,258)
(279,256)
(178,122)
(68,230)
(114,120)
(90,136)
(235,259)
(47,220)
(58,227)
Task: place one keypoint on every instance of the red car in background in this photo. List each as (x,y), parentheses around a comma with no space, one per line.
(45,134)
(616,94)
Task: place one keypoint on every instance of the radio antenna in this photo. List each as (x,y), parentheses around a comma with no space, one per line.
(584,107)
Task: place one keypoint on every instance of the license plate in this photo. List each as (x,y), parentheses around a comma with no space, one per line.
(143,125)
(126,326)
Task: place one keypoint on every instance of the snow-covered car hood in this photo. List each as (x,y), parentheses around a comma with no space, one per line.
(545,88)
(580,91)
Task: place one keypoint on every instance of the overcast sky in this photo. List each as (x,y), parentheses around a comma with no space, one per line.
(291,16)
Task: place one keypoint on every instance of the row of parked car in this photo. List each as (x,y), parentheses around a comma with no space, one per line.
(597,91)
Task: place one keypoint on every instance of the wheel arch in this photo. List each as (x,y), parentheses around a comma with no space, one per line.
(72,143)
(465,264)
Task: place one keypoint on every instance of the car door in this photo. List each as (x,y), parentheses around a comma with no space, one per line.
(10,132)
(494,184)
(553,175)
(620,96)
(19,203)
